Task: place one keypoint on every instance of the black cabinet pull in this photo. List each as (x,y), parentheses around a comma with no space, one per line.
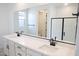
(19,47)
(5,55)
(7,46)
(63,33)
(19,54)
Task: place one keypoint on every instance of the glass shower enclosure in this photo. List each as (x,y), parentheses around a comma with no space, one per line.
(64,29)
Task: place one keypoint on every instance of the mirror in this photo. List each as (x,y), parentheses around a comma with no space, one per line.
(36,21)
(32,21)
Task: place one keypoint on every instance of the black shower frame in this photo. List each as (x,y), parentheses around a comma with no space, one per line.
(63,27)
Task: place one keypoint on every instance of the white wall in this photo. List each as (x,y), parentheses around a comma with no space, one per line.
(77,40)
(66,11)
(77,37)
(4,21)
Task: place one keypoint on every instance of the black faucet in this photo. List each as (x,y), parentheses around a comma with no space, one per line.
(19,33)
(53,42)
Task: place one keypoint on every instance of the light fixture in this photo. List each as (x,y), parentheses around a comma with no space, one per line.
(65,4)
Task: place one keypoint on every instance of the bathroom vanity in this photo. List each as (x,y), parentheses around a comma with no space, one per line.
(31,46)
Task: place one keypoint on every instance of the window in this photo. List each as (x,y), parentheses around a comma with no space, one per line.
(21,17)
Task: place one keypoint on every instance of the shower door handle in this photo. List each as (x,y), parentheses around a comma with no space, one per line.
(63,33)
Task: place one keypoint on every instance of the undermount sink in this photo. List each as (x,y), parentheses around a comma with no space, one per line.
(49,48)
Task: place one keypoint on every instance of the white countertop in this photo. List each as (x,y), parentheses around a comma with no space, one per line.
(42,46)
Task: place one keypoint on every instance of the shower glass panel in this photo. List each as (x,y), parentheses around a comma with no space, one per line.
(69,29)
(64,29)
(56,28)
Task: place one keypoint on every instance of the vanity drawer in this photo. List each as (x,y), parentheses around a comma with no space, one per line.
(20,50)
(19,47)
(20,53)
(31,52)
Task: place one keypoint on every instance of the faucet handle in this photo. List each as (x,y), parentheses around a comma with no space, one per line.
(18,34)
(55,38)
(21,32)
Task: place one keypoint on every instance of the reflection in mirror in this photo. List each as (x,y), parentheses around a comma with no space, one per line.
(31,22)
(36,21)
(42,23)
(64,28)
(19,21)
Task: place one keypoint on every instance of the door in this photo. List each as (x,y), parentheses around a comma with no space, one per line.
(42,23)
(56,28)
(69,30)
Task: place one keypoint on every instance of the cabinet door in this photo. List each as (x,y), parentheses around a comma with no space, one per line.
(11,48)
(20,53)
(20,50)
(6,47)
